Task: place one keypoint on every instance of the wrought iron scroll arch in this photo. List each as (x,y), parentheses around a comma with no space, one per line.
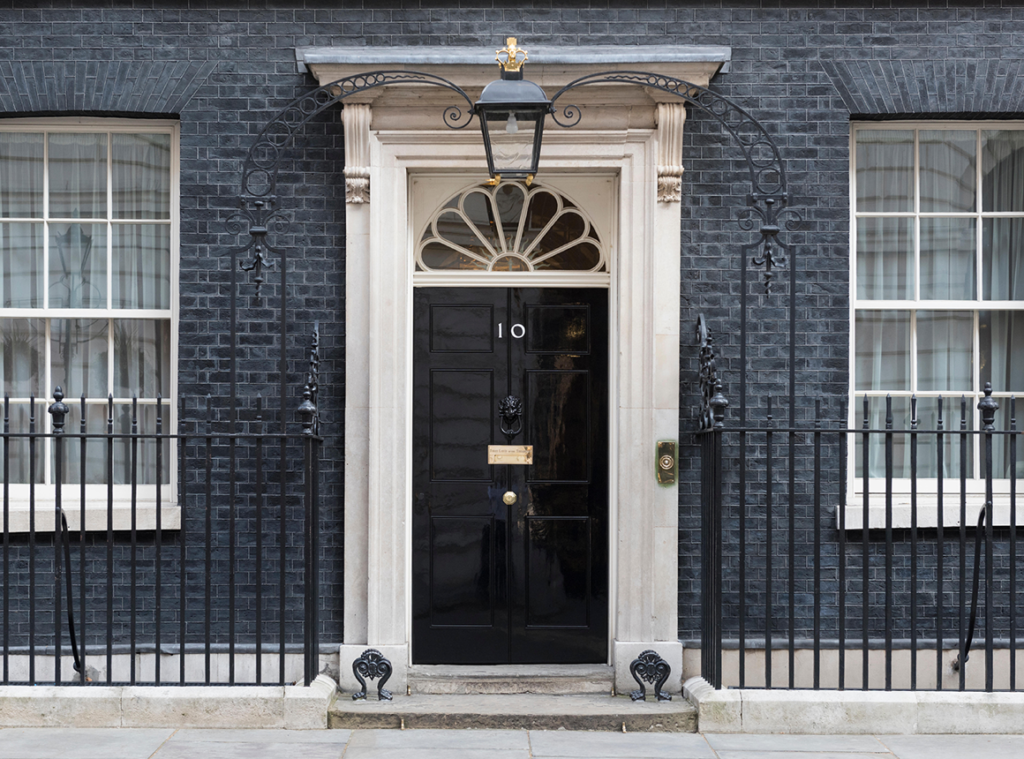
(259,214)
(768,198)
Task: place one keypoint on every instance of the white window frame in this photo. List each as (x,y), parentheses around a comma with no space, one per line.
(927,500)
(96,495)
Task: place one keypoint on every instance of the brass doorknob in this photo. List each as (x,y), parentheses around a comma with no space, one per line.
(509,498)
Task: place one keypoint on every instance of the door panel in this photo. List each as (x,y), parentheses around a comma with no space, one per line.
(524,582)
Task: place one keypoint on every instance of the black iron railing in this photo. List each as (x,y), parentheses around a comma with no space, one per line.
(210,576)
(883,580)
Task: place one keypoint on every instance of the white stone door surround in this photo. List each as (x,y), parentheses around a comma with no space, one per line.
(629,133)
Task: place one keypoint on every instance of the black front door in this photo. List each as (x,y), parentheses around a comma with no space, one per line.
(524,581)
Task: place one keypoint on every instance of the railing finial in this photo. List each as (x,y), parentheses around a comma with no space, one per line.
(988,408)
(59,410)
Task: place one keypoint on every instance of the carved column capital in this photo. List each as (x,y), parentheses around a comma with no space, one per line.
(671,118)
(356,120)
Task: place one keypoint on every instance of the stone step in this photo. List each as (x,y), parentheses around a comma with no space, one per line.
(515,712)
(551,679)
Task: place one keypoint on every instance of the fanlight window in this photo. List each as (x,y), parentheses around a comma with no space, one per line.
(510,228)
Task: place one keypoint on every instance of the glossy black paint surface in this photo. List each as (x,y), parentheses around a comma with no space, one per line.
(526,583)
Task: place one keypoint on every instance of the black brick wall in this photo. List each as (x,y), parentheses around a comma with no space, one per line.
(802,68)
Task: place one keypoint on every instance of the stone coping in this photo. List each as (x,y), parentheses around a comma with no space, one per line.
(831,712)
(465,55)
(292,707)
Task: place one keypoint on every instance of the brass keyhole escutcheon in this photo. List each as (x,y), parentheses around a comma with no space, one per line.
(509,498)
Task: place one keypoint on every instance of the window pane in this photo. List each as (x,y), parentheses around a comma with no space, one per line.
(78,266)
(21,360)
(19,447)
(945,355)
(883,350)
(142,357)
(885,170)
(927,440)
(928,444)
(21,265)
(21,175)
(1002,167)
(947,170)
(1002,350)
(71,447)
(142,266)
(78,176)
(1002,259)
(947,259)
(146,454)
(1006,461)
(876,447)
(885,259)
(141,176)
(78,355)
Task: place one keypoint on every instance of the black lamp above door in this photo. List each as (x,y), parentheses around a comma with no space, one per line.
(512,111)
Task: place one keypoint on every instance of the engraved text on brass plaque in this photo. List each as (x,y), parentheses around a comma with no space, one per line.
(510,454)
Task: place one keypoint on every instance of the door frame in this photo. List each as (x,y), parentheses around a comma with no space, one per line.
(643,387)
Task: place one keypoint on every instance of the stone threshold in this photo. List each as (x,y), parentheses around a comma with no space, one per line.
(854,712)
(515,712)
(551,679)
(215,706)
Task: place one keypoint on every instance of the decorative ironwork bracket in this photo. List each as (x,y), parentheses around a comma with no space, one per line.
(370,665)
(651,667)
(766,201)
(713,403)
(309,411)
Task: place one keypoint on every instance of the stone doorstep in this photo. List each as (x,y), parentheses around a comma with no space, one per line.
(854,712)
(550,679)
(515,712)
(291,707)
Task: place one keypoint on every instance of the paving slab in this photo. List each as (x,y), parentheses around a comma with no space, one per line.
(462,740)
(80,743)
(590,745)
(434,753)
(270,735)
(799,754)
(954,746)
(245,750)
(864,744)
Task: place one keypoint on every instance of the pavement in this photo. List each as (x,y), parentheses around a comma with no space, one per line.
(139,743)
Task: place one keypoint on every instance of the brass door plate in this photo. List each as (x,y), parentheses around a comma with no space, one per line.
(665,462)
(510,454)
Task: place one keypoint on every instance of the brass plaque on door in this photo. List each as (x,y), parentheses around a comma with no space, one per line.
(510,454)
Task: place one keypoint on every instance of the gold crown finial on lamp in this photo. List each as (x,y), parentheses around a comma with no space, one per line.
(511,61)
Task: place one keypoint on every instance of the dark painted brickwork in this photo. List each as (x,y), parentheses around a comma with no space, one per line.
(801,69)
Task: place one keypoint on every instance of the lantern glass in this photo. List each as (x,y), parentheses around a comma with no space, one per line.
(512,138)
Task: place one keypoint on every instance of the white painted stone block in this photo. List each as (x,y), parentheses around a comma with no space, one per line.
(624,652)
(717,711)
(829,712)
(197,706)
(59,706)
(398,655)
(306,708)
(945,712)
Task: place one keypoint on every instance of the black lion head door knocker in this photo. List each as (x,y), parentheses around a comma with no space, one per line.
(511,412)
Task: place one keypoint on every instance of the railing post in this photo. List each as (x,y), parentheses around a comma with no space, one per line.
(988,408)
(307,413)
(59,411)
(711,464)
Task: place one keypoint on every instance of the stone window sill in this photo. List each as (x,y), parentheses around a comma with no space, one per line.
(95,516)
